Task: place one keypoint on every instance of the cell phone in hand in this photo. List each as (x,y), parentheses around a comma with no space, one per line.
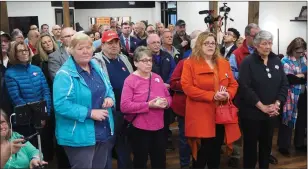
(28,138)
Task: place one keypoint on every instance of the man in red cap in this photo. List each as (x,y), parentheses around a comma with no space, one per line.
(117,67)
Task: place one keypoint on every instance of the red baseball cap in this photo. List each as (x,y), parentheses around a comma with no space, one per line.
(109,35)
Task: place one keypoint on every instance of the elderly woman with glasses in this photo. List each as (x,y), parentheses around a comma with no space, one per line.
(207,81)
(262,90)
(294,114)
(26,83)
(144,98)
(83,99)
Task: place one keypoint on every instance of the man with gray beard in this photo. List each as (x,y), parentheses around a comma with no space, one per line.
(181,41)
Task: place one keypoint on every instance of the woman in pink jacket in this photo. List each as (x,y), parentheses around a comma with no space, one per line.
(144,98)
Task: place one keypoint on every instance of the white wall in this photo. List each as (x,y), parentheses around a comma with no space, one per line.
(239,13)
(137,14)
(189,12)
(42,9)
(274,15)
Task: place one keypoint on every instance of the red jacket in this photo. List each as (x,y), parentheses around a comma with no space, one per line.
(179,98)
(240,53)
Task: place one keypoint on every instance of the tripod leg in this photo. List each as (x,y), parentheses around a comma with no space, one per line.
(40,147)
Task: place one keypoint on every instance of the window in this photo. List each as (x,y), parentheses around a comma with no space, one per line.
(168,12)
(59,17)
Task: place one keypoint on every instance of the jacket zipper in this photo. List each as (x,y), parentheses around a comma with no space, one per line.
(75,123)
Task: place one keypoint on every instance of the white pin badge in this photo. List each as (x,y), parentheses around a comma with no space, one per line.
(277,67)
(157,80)
(34,73)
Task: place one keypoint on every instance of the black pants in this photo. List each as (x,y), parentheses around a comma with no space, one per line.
(169,117)
(285,132)
(254,132)
(62,159)
(151,143)
(209,152)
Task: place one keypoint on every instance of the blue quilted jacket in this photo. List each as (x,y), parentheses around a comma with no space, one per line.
(27,83)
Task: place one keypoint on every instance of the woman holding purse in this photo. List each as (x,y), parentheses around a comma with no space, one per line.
(208,82)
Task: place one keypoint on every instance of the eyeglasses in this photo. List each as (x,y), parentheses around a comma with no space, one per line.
(266,43)
(151,31)
(209,44)
(155,43)
(68,36)
(269,75)
(22,51)
(146,61)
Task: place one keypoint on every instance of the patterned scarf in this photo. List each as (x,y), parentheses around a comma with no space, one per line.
(291,66)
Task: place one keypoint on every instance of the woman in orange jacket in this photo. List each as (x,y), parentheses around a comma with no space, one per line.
(204,76)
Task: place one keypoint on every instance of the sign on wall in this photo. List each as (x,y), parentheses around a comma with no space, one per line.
(103,20)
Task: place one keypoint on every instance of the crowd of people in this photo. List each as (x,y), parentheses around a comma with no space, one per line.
(113,91)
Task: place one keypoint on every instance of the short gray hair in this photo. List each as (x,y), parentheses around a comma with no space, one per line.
(151,36)
(141,51)
(249,27)
(262,35)
(15,33)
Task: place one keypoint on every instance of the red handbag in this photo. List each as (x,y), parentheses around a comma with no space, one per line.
(226,114)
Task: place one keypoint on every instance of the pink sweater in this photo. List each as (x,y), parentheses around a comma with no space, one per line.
(133,101)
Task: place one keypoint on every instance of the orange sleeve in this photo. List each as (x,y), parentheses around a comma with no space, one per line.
(190,89)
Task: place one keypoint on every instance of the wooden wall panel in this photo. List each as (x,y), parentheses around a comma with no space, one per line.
(253,12)
(4,25)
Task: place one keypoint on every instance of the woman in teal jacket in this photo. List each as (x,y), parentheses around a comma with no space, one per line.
(83,98)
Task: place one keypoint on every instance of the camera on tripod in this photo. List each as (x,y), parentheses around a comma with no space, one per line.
(225,8)
(31,113)
(209,19)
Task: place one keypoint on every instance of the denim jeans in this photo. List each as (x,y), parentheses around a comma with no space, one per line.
(184,148)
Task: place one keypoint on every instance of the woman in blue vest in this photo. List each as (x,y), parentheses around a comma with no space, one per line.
(83,99)
(26,83)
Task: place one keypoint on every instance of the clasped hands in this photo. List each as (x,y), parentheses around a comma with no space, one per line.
(272,109)
(222,94)
(158,103)
(102,114)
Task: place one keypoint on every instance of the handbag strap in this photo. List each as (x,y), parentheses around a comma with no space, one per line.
(149,91)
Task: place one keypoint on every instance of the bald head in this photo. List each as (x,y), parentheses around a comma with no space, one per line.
(33,27)
(56,31)
(33,34)
(66,35)
(154,43)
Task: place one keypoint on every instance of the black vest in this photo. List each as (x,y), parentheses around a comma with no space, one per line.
(163,67)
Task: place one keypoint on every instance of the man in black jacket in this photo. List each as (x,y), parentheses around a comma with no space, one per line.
(163,65)
(181,41)
(5,101)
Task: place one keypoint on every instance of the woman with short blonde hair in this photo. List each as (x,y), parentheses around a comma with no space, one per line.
(83,99)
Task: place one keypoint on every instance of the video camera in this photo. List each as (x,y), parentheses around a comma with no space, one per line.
(224,8)
(209,19)
(31,113)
